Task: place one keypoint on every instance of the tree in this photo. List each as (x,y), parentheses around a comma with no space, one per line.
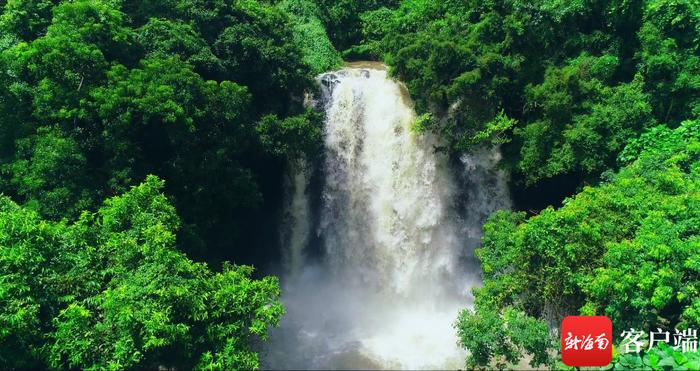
(58,69)
(309,33)
(669,48)
(111,291)
(342,18)
(173,88)
(576,123)
(259,52)
(627,248)
(48,174)
(294,136)
(575,79)
(164,117)
(165,38)
(27,19)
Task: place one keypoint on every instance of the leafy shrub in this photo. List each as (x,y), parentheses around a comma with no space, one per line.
(627,249)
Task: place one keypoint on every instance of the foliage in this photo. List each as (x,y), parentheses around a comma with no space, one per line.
(111,291)
(660,357)
(578,79)
(342,18)
(293,136)
(422,123)
(494,131)
(499,341)
(258,51)
(48,173)
(26,19)
(669,56)
(572,137)
(165,37)
(102,93)
(310,34)
(627,248)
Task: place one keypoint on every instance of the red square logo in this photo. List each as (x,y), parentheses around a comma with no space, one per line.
(586,341)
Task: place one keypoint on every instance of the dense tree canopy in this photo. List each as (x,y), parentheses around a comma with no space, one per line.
(627,249)
(97,95)
(111,291)
(578,79)
(123,90)
(310,34)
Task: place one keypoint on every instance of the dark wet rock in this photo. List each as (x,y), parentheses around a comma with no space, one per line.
(329,79)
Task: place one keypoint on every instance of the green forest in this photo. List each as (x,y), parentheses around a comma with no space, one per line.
(143,146)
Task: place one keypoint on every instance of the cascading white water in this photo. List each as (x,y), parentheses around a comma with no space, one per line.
(297,218)
(393,269)
(387,196)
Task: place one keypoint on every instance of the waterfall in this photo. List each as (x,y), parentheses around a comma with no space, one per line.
(393,264)
(297,216)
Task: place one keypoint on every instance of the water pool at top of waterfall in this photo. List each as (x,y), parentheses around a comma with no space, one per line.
(391,269)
